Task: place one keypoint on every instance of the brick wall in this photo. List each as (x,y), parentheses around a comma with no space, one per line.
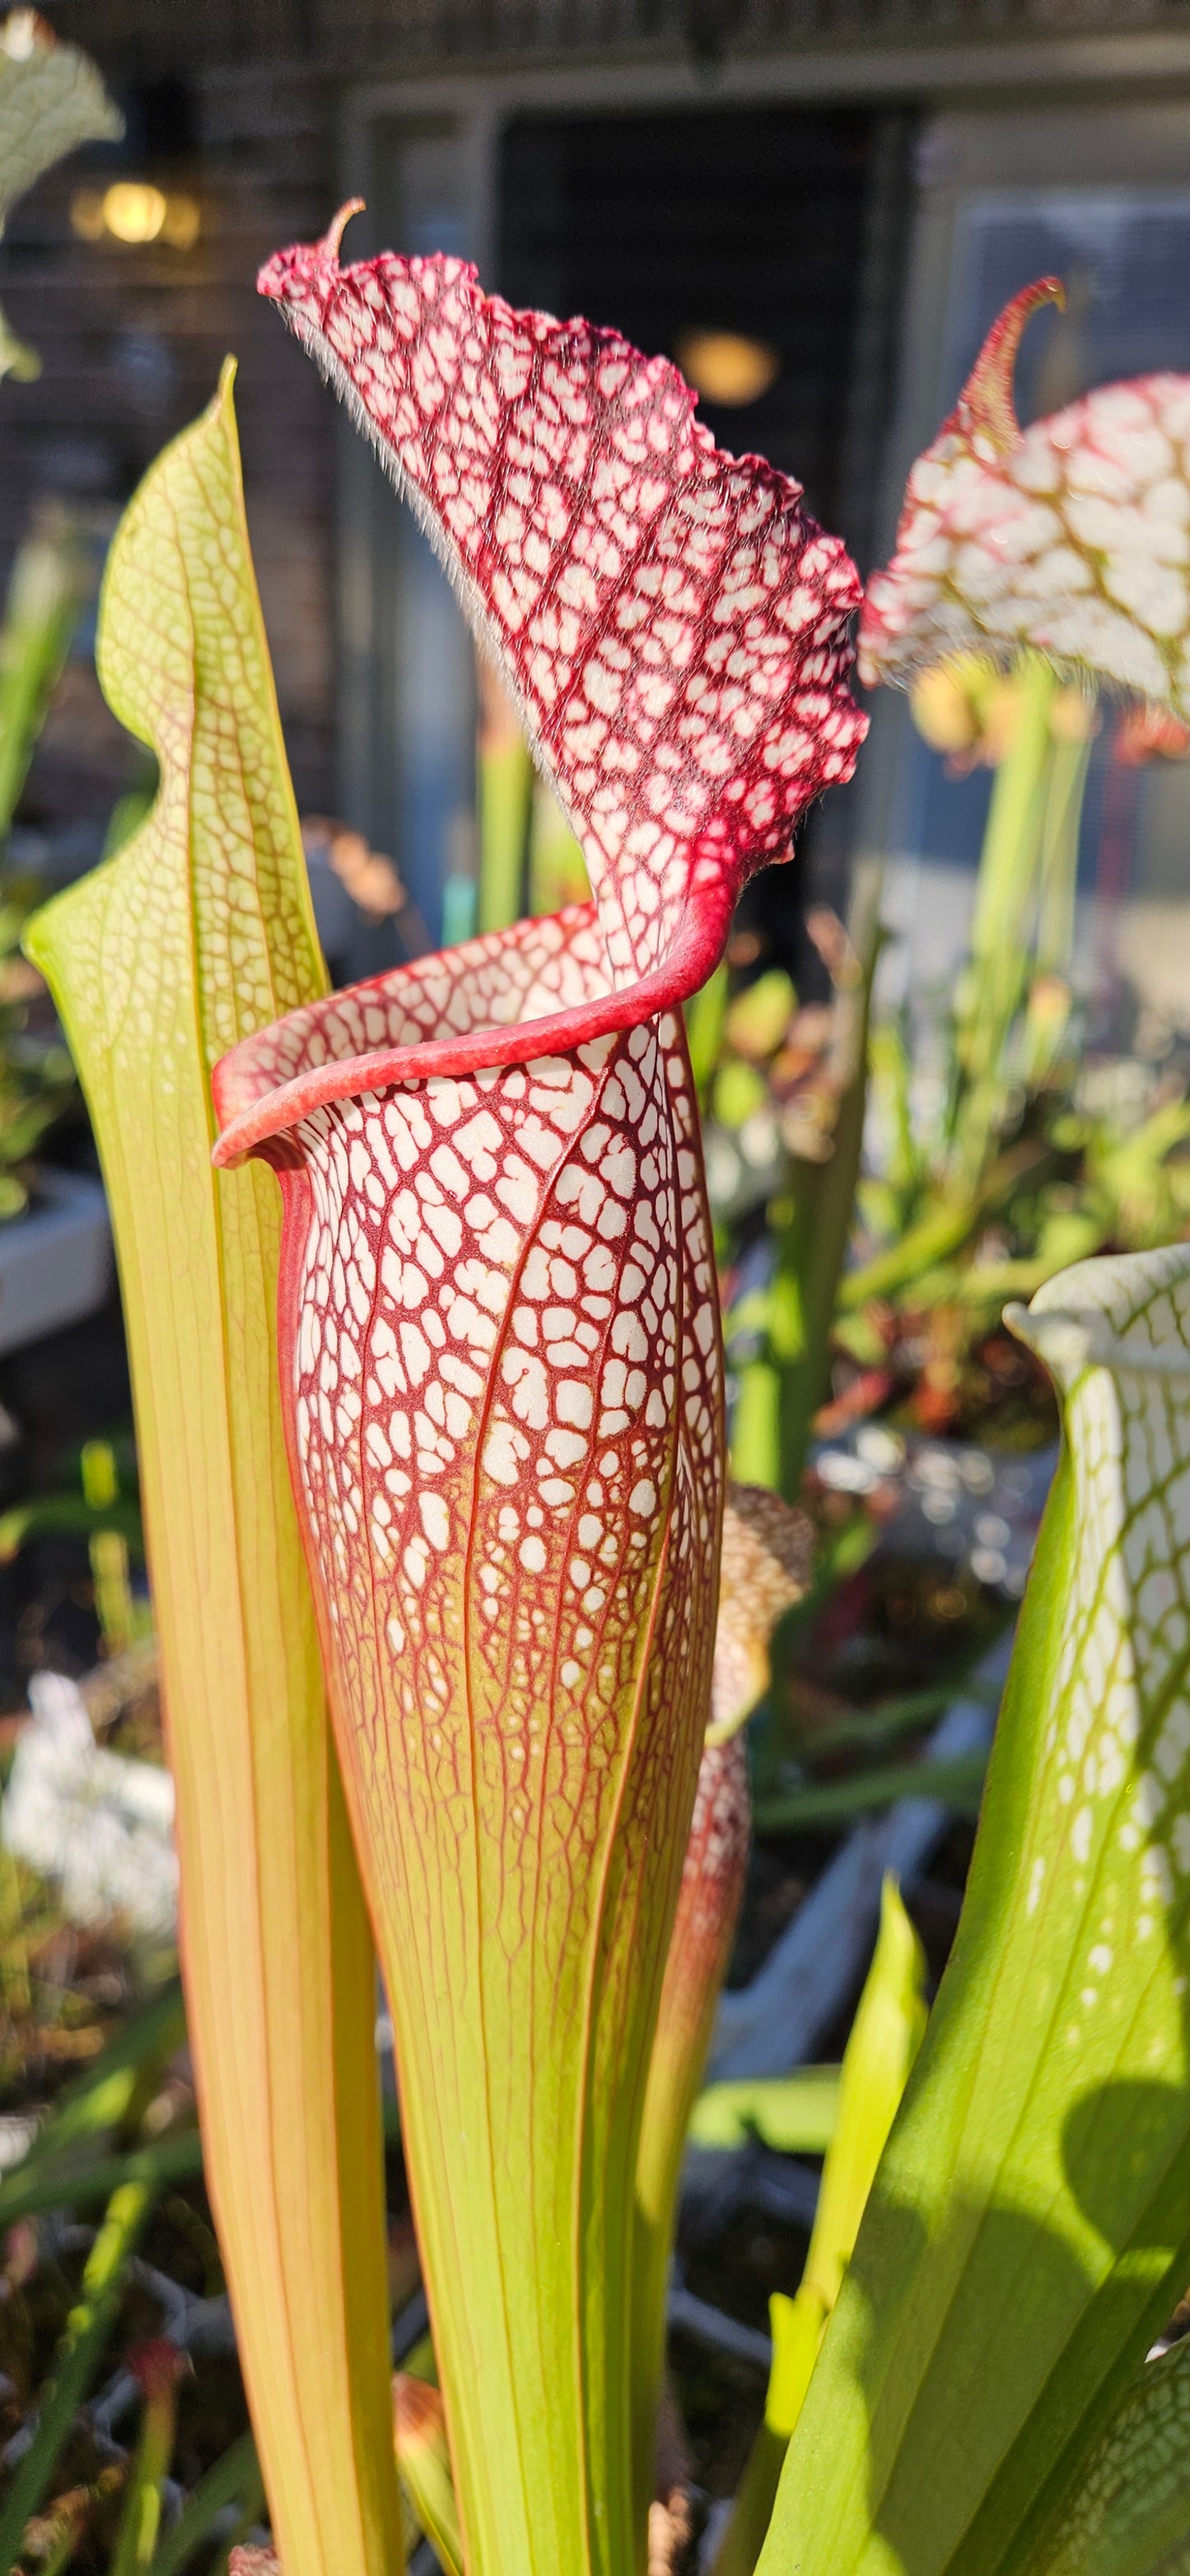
(131,342)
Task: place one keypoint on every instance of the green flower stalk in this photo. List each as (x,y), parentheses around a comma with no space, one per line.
(157,2367)
(504,784)
(499,1336)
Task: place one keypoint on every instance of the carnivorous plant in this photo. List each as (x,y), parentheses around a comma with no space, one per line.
(500,1357)
(499,1378)
(494,1370)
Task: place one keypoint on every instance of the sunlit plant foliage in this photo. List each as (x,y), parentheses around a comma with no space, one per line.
(435,1450)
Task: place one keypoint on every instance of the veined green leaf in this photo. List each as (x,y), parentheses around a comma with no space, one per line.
(1131,2514)
(51,98)
(196,933)
(1030,2223)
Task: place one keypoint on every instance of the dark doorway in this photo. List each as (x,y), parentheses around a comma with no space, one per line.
(784,228)
(765,224)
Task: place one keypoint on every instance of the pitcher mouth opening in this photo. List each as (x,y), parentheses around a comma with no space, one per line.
(273,1080)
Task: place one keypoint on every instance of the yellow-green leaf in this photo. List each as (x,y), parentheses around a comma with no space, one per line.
(884,2040)
(885,2037)
(196,933)
(796,2326)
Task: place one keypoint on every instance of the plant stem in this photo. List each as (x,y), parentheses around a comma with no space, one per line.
(557,869)
(45,595)
(1005,889)
(705,1013)
(170,2160)
(817,1239)
(234,2478)
(87,2330)
(1069,763)
(505,795)
(943,1230)
(1007,865)
(957,1782)
(756,1426)
(423,2460)
(140,2521)
(780,1391)
(797,2331)
(98,2101)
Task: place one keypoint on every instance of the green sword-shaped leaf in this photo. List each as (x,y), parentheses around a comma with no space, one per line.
(198,932)
(1030,2223)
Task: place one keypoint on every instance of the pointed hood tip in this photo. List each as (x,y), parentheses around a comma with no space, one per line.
(986,404)
(278,276)
(332,238)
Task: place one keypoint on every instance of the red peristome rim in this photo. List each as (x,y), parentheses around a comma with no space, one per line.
(695,952)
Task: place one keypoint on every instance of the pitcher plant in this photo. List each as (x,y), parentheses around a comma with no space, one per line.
(500,1352)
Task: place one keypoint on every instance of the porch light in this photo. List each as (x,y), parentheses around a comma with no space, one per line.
(134,211)
(727,368)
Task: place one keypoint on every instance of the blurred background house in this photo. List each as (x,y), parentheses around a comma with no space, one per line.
(816,206)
